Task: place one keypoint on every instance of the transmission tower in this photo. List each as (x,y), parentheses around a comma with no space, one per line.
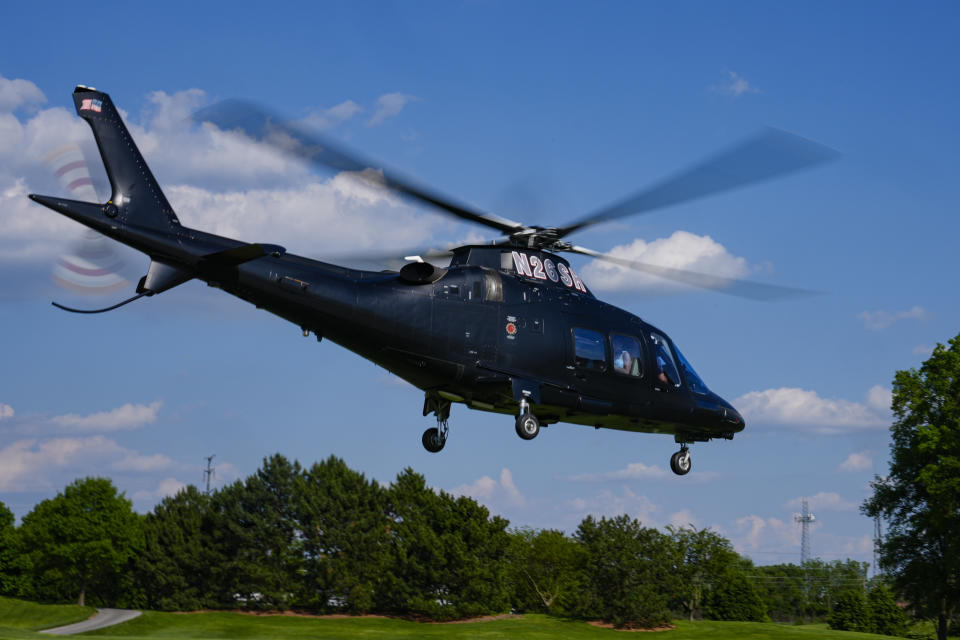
(804,518)
(877,537)
(208,472)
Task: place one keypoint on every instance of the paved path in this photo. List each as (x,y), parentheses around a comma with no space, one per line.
(103,618)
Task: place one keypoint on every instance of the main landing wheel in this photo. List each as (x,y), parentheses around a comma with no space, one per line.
(680,462)
(432,440)
(527,426)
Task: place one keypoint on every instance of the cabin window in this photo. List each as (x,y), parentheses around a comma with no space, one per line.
(626,355)
(589,349)
(666,372)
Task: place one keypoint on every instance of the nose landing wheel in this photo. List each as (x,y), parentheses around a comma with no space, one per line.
(680,461)
(435,438)
(527,424)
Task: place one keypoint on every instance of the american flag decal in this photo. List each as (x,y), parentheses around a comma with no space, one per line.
(91,104)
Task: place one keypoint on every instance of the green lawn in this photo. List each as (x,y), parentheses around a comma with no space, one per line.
(29,616)
(17,618)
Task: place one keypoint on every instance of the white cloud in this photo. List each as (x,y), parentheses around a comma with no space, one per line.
(825,500)
(922,350)
(611,503)
(755,534)
(682,250)
(801,408)
(19,93)
(166,487)
(329,118)
(880,398)
(33,464)
(129,416)
(6,411)
(633,471)
(734,86)
(389,105)
(880,320)
(136,462)
(682,518)
(492,492)
(857,461)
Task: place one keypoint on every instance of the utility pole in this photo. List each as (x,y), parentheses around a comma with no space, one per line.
(877,537)
(804,518)
(208,472)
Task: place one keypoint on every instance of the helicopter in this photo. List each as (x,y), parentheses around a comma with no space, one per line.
(507,327)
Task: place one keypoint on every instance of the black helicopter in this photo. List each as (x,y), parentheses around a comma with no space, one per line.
(508,327)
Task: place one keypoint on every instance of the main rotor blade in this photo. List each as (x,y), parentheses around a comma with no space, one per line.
(730,286)
(771,153)
(296,140)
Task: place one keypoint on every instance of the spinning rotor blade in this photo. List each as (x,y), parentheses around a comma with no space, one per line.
(731,286)
(771,153)
(296,140)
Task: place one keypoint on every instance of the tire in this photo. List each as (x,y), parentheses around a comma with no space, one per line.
(680,463)
(528,426)
(431,440)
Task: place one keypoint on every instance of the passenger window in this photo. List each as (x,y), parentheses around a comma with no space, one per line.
(589,349)
(666,367)
(626,355)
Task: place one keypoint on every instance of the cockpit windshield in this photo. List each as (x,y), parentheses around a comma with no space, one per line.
(693,380)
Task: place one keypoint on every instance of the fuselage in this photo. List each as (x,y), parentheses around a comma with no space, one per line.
(482,332)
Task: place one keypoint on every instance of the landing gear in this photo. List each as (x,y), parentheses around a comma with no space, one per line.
(680,461)
(432,439)
(527,424)
(436,437)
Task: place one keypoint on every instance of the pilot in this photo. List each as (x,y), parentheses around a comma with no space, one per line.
(663,366)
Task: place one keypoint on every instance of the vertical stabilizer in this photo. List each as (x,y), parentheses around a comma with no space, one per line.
(134,191)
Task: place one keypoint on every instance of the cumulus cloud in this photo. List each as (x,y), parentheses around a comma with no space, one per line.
(389,105)
(141,463)
(857,461)
(880,398)
(754,533)
(922,350)
(329,118)
(493,492)
(734,86)
(611,503)
(880,320)
(166,487)
(633,471)
(6,411)
(129,416)
(825,500)
(682,250)
(802,408)
(34,464)
(18,93)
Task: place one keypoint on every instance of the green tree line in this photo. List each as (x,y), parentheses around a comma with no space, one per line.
(327,539)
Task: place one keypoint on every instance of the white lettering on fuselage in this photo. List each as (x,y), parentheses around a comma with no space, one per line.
(543,269)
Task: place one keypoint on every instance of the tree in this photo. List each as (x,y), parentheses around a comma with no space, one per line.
(704,557)
(850,612)
(9,565)
(920,497)
(448,556)
(733,597)
(627,572)
(80,540)
(885,616)
(178,567)
(257,532)
(545,571)
(346,535)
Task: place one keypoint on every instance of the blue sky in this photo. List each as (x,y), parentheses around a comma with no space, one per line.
(540,112)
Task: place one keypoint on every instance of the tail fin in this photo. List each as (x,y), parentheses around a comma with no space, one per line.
(135,192)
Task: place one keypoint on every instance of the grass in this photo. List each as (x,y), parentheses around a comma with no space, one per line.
(533,627)
(20,615)
(18,618)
